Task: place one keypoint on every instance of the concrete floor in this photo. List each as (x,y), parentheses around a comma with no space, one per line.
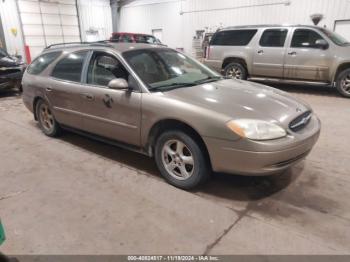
(73,195)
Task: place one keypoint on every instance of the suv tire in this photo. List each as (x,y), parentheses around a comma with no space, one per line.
(343,83)
(47,121)
(181,160)
(235,71)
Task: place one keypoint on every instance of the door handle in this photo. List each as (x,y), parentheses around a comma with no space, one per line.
(88,96)
(292,53)
(48,89)
(260,52)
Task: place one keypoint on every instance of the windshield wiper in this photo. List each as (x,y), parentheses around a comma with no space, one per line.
(208,80)
(171,86)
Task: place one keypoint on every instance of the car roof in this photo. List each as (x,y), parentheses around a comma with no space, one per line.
(267,26)
(119,47)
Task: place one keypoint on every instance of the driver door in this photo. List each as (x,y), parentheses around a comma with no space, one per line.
(114,114)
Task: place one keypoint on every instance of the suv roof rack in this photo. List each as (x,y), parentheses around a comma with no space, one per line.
(102,43)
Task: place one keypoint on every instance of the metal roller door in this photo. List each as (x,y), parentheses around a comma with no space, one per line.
(48,22)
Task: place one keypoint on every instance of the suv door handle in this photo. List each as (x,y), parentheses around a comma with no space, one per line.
(260,51)
(48,89)
(292,53)
(88,96)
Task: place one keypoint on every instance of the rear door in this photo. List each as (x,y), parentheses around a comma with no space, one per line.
(115,114)
(269,54)
(63,89)
(304,59)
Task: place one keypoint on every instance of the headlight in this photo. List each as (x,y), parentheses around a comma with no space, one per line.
(256,129)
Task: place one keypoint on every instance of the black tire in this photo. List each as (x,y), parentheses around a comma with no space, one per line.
(200,171)
(343,83)
(48,125)
(235,70)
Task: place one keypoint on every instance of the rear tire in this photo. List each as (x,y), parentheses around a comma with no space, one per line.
(343,83)
(47,121)
(235,71)
(181,160)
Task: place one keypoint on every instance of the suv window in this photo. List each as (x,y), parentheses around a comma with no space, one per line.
(40,63)
(273,37)
(70,67)
(305,38)
(103,68)
(148,39)
(233,37)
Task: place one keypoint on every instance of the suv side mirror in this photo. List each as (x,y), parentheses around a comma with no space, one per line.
(321,43)
(118,84)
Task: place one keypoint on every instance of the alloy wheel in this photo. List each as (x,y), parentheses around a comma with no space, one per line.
(345,84)
(234,72)
(178,159)
(46,117)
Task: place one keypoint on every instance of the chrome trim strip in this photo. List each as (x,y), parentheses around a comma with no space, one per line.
(287,81)
(94,117)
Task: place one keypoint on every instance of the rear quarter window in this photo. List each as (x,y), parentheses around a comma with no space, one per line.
(40,63)
(233,37)
(70,67)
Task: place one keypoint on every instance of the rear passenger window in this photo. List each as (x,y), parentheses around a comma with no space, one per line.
(233,37)
(70,67)
(305,38)
(39,64)
(273,37)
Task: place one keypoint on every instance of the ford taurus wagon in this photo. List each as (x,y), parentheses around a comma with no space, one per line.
(159,102)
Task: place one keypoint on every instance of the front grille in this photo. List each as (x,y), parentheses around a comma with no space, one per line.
(300,122)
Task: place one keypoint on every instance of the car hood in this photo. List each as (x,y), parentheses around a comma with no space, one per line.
(242,99)
(10,61)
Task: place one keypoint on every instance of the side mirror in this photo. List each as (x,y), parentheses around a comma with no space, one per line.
(321,43)
(118,84)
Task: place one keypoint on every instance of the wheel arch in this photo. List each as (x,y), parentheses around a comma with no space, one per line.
(233,59)
(174,124)
(341,67)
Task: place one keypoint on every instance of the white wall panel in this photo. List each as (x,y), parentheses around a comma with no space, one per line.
(142,18)
(95,17)
(180,19)
(49,19)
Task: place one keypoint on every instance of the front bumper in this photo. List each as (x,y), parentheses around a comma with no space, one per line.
(9,79)
(262,158)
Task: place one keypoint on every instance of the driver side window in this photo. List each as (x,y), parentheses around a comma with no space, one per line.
(103,68)
(305,38)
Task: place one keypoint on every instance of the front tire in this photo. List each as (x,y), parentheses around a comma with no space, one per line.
(343,83)
(181,160)
(235,71)
(47,121)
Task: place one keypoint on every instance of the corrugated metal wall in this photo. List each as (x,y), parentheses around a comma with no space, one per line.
(183,18)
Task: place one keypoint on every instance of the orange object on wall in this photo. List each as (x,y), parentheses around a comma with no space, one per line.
(27,51)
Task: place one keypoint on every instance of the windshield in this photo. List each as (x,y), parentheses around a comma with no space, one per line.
(336,38)
(164,69)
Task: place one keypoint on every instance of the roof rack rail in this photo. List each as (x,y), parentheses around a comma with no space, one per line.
(102,42)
